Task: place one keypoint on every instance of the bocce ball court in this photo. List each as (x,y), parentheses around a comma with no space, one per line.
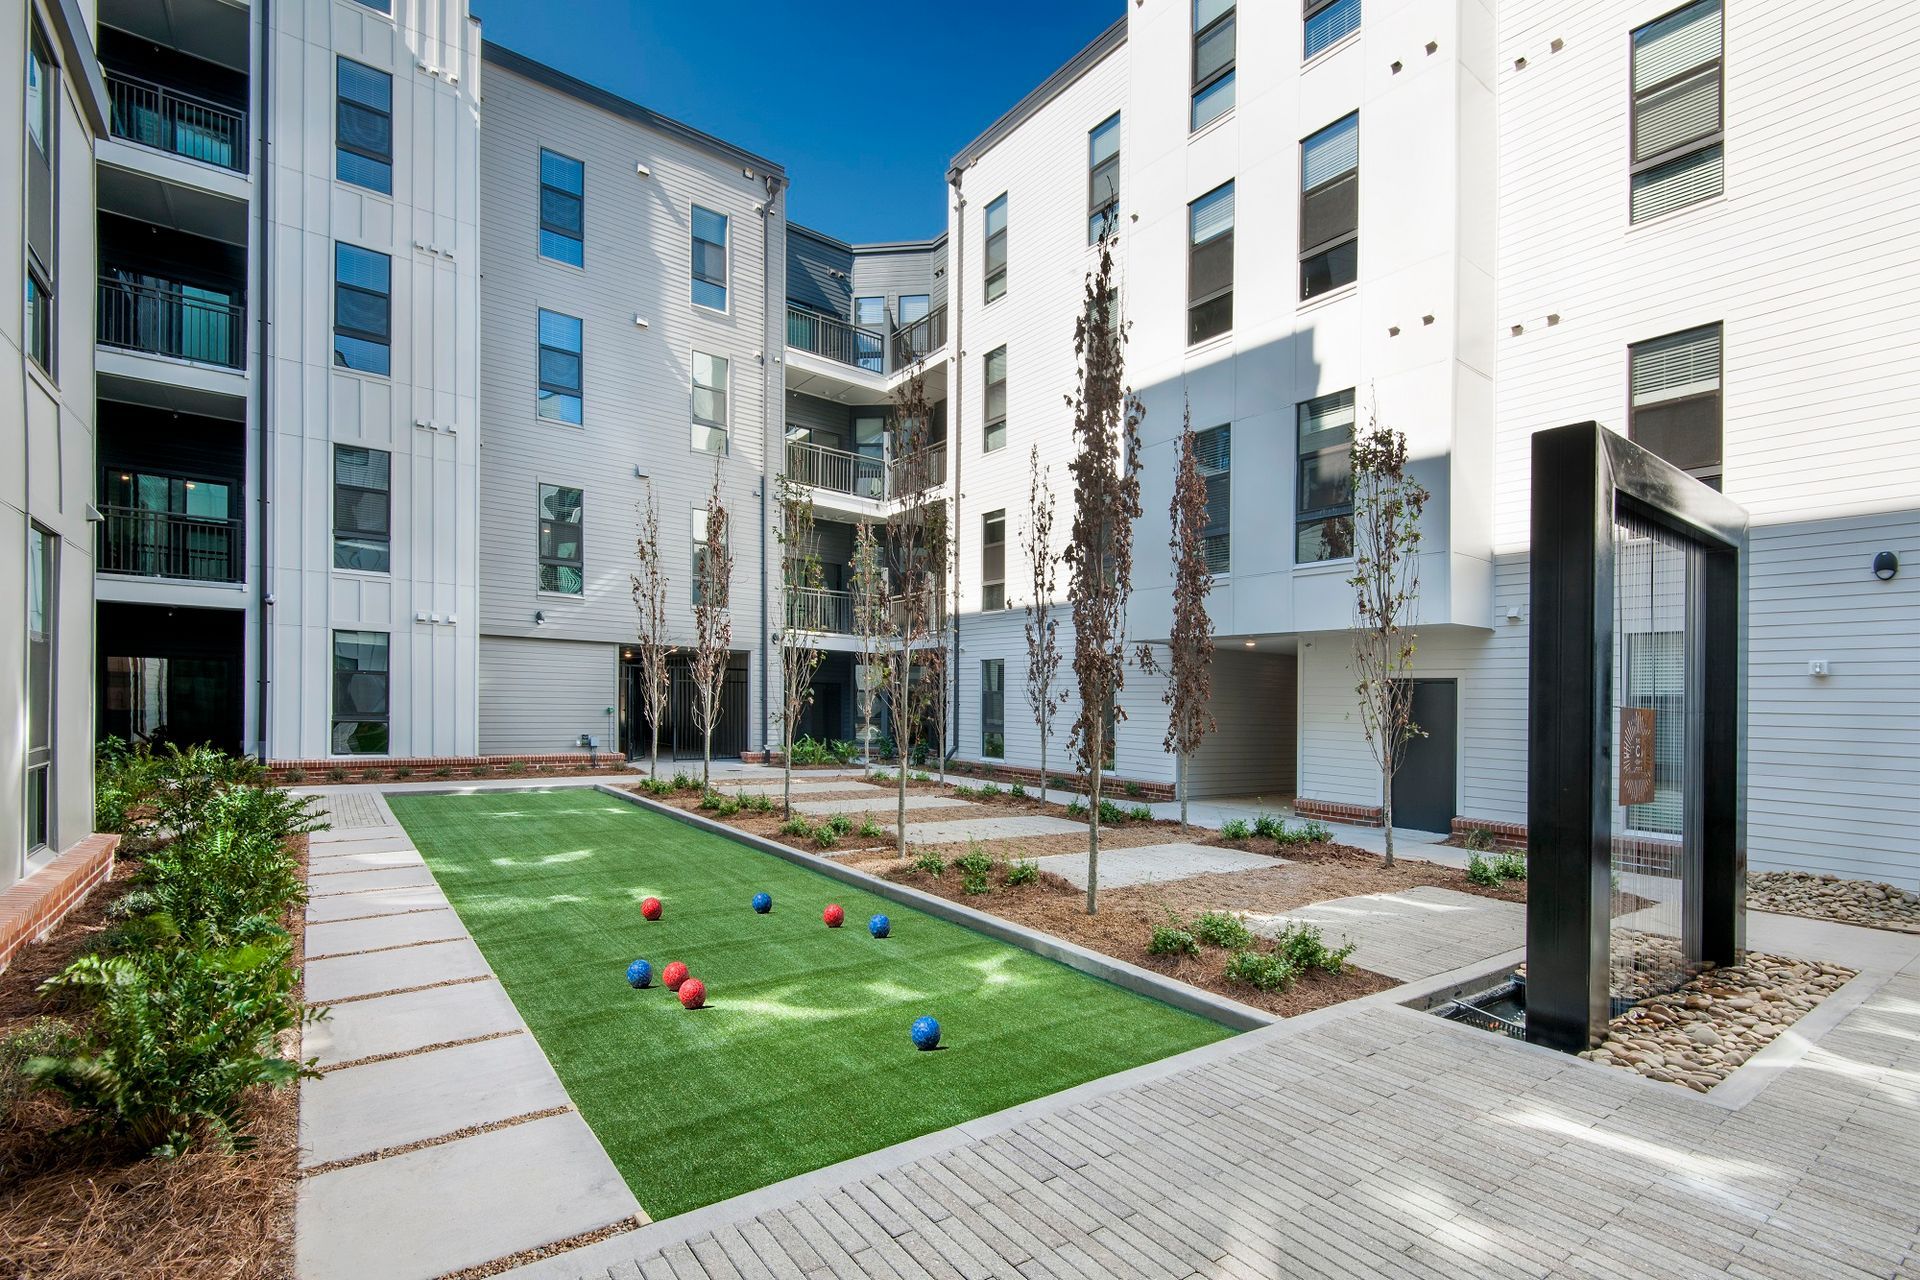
(802,1056)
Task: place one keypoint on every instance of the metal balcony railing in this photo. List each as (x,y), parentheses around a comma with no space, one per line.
(836,469)
(169,120)
(921,469)
(166,544)
(810,609)
(835,339)
(920,339)
(168,319)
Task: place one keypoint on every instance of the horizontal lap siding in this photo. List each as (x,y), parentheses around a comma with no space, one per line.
(541,695)
(1251,751)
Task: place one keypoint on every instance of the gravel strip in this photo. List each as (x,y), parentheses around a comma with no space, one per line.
(1861,902)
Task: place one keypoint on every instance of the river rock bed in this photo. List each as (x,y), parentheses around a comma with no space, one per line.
(1697,1036)
(1862,902)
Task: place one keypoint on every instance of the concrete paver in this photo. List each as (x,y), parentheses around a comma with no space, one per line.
(353,906)
(760,787)
(444,1208)
(378,1105)
(1149,864)
(342,977)
(334,864)
(409,1021)
(376,932)
(1414,933)
(881,804)
(322,885)
(1012,827)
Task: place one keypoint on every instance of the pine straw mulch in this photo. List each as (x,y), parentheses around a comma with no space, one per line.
(75,1207)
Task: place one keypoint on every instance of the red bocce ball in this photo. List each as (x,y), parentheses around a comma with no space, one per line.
(833,915)
(693,993)
(673,975)
(650,908)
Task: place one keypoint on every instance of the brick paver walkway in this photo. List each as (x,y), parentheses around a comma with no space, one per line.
(1414,933)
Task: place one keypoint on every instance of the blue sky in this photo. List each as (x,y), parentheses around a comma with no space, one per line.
(864,113)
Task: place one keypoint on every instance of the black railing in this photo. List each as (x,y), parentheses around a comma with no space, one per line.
(169,319)
(180,123)
(166,544)
(835,339)
(920,339)
(921,469)
(811,609)
(836,469)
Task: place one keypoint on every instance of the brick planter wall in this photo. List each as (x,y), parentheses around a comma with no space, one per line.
(424,766)
(1112,786)
(1508,837)
(1359,815)
(30,909)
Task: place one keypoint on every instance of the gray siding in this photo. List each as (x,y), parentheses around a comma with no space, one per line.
(812,260)
(891,272)
(816,414)
(539,696)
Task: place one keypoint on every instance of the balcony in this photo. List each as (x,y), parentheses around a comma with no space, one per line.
(167,318)
(920,339)
(178,123)
(836,470)
(168,544)
(922,469)
(813,609)
(835,339)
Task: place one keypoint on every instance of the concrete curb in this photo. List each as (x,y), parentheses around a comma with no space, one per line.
(1228,1013)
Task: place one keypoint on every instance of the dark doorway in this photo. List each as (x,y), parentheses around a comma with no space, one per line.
(679,730)
(1424,788)
(171,675)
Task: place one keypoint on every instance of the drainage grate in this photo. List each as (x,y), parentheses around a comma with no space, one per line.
(1500,1009)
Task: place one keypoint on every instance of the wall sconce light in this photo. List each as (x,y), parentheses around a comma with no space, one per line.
(539,617)
(1886,566)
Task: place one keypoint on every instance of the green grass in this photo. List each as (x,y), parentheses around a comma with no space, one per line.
(802,1056)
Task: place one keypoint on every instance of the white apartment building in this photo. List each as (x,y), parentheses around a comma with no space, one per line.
(396,329)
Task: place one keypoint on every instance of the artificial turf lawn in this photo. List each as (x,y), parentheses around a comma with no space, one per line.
(802,1056)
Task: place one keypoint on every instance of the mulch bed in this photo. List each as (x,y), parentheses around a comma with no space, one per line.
(75,1207)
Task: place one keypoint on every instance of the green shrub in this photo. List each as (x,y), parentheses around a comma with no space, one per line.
(1305,949)
(1236,829)
(919,775)
(294,777)
(757,803)
(373,775)
(709,800)
(880,775)
(1058,783)
(656,786)
(1022,871)
(931,863)
(1511,866)
(1133,789)
(403,772)
(825,836)
(231,873)
(1140,813)
(1018,791)
(444,771)
(516,767)
(1264,970)
(337,774)
(1480,840)
(124,778)
(480,771)
(840,824)
(1306,833)
(989,789)
(37,1039)
(1111,813)
(975,868)
(870,829)
(1219,929)
(1172,939)
(843,751)
(1482,872)
(796,826)
(728,806)
(806,750)
(1076,808)
(963,791)
(1269,826)
(180,1029)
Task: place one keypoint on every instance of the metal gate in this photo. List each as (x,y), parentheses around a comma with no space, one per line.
(680,730)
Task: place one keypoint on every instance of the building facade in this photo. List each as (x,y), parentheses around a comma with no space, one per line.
(395,332)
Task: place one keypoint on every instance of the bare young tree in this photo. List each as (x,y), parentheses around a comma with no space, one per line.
(802,578)
(712,625)
(872,619)
(652,644)
(1189,664)
(1043,622)
(915,554)
(1387,504)
(1106,491)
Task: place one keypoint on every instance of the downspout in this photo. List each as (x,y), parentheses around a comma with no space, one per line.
(956,293)
(774,438)
(262,400)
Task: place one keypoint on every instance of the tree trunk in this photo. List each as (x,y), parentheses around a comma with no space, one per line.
(1043,757)
(900,808)
(706,759)
(1093,831)
(1180,783)
(786,774)
(653,765)
(1386,811)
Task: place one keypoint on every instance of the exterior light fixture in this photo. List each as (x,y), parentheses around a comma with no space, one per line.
(1886,566)
(539,617)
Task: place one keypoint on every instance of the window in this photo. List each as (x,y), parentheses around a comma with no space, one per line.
(709,258)
(558,398)
(1213,451)
(1330,208)
(360,712)
(563,218)
(43,122)
(362,309)
(993,708)
(1323,528)
(383,6)
(41,616)
(1210,265)
(1214,44)
(560,555)
(363,127)
(994,227)
(362,508)
(995,417)
(697,562)
(1329,22)
(870,313)
(1103,176)
(709,403)
(913,306)
(1677,127)
(1675,400)
(993,560)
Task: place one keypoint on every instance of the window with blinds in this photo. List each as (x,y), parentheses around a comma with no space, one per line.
(1210,265)
(559,396)
(1323,524)
(1213,452)
(362,509)
(994,435)
(563,205)
(1215,53)
(1103,176)
(43,125)
(994,227)
(993,708)
(1674,409)
(1678,125)
(993,560)
(1328,22)
(710,258)
(1330,208)
(363,127)
(562,567)
(362,309)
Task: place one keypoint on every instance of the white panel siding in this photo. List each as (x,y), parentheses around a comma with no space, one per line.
(539,696)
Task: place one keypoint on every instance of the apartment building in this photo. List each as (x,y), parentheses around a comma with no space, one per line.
(395,330)
(57,107)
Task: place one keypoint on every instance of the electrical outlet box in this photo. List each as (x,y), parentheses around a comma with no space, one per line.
(1817,667)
